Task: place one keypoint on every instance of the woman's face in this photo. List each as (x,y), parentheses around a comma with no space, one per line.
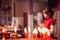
(45,15)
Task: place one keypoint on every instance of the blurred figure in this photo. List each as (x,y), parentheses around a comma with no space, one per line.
(39,18)
(38,21)
(48,22)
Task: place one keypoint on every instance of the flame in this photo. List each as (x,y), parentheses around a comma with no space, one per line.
(48,33)
(3,34)
(3,30)
(3,38)
(25,30)
(44,30)
(15,29)
(35,31)
(29,29)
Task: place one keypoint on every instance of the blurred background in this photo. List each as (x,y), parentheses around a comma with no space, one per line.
(16,13)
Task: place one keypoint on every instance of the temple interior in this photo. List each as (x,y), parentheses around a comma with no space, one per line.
(15,15)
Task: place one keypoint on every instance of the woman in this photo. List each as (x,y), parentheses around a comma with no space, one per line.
(48,22)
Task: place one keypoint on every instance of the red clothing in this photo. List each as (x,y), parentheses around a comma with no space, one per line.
(48,22)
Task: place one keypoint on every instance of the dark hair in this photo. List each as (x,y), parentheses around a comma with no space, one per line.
(49,12)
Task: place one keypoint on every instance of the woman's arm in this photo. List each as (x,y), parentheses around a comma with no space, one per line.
(51,28)
(52,23)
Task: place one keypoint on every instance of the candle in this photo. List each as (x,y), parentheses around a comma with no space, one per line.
(4,35)
(35,33)
(15,34)
(44,33)
(25,33)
